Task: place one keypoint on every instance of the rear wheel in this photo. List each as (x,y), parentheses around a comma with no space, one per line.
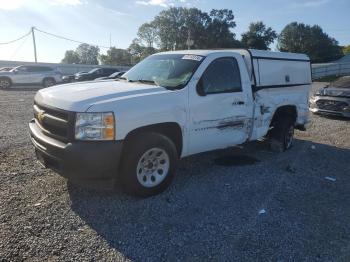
(47,82)
(148,165)
(5,83)
(282,134)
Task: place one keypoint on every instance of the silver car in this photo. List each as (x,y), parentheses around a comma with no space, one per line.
(333,99)
(23,75)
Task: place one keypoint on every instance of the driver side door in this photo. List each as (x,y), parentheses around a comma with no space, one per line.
(220,105)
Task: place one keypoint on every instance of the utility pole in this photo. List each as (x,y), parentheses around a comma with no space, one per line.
(110,40)
(34,45)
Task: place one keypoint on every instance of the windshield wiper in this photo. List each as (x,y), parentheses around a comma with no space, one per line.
(152,82)
(143,81)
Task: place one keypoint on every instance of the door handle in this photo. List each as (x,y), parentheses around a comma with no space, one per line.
(238,103)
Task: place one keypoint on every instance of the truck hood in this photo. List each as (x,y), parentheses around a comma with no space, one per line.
(78,97)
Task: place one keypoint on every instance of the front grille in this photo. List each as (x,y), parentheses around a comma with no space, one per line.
(55,123)
(331,105)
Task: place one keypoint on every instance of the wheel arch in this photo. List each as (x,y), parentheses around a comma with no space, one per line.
(172,130)
(48,77)
(7,78)
(282,111)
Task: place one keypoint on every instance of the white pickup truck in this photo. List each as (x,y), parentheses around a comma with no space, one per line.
(171,105)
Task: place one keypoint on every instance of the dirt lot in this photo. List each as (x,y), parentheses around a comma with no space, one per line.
(214,209)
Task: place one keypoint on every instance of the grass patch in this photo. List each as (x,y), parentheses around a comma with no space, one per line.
(327,78)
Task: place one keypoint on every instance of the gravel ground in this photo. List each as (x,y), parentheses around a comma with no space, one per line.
(239,204)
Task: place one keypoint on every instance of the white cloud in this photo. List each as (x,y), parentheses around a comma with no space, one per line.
(162,3)
(11,4)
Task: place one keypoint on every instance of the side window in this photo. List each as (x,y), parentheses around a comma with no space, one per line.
(33,69)
(45,69)
(222,76)
(22,69)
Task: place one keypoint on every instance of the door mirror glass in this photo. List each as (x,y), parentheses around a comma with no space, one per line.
(200,88)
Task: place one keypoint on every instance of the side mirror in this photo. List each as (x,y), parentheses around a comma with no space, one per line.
(15,71)
(200,88)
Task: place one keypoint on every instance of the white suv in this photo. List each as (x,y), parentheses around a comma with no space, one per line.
(22,75)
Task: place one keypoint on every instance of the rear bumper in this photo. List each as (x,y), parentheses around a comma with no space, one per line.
(78,160)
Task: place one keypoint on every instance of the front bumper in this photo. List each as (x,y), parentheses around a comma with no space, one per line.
(314,108)
(329,112)
(78,160)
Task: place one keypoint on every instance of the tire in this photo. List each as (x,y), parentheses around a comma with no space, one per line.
(5,83)
(49,81)
(148,164)
(282,134)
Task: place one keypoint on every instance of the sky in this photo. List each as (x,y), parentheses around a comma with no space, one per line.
(115,22)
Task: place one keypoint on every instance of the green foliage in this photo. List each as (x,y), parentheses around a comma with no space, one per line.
(301,38)
(139,51)
(183,28)
(176,25)
(71,57)
(346,50)
(116,56)
(258,36)
(328,79)
(88,54)
(147,33)
(84,54)
(218,30)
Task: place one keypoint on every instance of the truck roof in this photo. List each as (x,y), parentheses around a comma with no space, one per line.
(246,52)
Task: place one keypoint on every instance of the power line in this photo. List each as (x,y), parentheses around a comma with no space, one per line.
(68,39)
(10,42)
(19,47)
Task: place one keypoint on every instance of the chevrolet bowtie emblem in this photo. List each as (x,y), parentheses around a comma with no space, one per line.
(41,116)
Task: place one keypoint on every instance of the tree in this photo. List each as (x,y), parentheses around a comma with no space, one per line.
(176,25)
(311,40)
(258,36)
(139,51)
(148,34)
(71,57)
(84,54)
(116,56)
(88,54)
(346,50)
(219,33)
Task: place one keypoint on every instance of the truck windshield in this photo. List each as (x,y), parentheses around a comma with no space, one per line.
(172,71)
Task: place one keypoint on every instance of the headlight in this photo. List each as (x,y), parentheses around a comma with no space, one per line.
(94,126)
(346,108)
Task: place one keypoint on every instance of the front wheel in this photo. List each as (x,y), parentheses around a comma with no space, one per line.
(282,134)
(148,165)
(5,83)
(47,82)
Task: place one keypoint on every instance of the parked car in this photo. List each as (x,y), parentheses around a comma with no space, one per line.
(169,106)
(71,78)
(112,76)
(333,99)
(95,73)
(5,69)
(23,75)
